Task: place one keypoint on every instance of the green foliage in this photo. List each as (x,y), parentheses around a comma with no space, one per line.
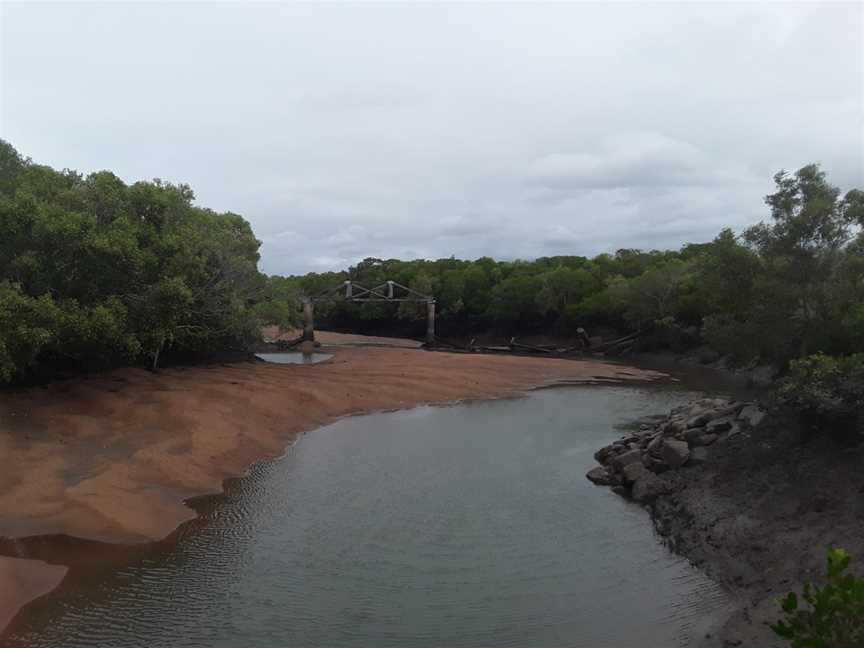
(825,388)
(96,273)
(779,291)
(653,295)
(810,271)
(834,613)
(27,325)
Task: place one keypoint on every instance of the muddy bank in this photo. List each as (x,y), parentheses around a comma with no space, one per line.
(113,457)
(23,580)
(756,507)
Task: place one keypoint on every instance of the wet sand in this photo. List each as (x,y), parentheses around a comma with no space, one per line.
(23,580)
(112,457)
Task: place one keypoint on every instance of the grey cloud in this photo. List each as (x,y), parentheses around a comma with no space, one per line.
(510,130)
(627,160)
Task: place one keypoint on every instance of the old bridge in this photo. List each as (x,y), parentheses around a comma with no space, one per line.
(351,291)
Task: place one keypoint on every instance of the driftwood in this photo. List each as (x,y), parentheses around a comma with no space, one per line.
(612,347)
(606,346)
(529,347)
(288,344)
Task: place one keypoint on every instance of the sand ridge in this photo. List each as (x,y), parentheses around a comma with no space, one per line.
(112,457)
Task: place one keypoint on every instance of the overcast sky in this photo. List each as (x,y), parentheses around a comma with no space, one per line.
(342,131)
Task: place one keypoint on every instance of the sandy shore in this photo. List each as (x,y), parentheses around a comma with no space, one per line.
(112,457)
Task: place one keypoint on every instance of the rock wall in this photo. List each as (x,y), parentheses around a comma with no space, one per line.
(637,464)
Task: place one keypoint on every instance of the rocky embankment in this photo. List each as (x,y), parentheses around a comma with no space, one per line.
(635,464)
(752,499)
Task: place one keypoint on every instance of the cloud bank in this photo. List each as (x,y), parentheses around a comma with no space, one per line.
(425,130)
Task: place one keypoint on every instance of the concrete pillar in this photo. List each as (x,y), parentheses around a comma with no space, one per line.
(308,320)
(430,322)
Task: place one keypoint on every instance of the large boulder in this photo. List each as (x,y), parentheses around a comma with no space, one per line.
(674,426)
(752,415)
(602,476)
(692,434)
(705,440)
(655,445)
(675,453)
(626,458)
(654,464)
(633,471)
(700,420)
(698,455)
(720,425)
(648,487)
(604,454)
(719,410)
(733,431)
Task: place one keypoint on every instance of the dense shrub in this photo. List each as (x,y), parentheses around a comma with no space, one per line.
(95,272)
(825,389)
(834,614)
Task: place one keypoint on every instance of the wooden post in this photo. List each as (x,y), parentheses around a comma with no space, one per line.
(389,290)
(430,322)
(348,291)
(308,320)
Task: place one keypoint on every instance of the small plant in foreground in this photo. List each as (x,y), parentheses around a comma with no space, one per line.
(834,617)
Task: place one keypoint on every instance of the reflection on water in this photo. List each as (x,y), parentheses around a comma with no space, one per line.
(464,526)
(294,357)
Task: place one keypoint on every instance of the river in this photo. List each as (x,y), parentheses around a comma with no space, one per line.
(470,525)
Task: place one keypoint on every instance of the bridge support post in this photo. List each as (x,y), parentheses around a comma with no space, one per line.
(308,320)
(430,321)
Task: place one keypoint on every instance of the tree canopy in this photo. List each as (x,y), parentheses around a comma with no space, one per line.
(790,286)
(95,272)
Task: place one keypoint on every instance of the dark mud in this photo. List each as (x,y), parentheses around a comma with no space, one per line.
(759,515)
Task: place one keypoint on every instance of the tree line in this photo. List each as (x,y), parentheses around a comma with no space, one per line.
(97,273)
(783,289)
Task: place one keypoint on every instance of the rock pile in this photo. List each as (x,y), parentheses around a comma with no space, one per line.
(634,465)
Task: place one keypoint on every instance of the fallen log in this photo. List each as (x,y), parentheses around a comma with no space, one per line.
(530,347)
(614,343)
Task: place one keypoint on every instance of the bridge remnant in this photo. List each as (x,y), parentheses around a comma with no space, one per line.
(352,291)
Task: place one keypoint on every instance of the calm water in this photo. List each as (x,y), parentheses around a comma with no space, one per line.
(294,357)
(463,526)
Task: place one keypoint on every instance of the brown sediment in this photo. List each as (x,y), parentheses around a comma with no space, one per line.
(22,580)
(112,457)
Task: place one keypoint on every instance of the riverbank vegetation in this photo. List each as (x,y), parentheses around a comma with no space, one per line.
(783,289)
(833,616)
(96,273)
(787,292)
